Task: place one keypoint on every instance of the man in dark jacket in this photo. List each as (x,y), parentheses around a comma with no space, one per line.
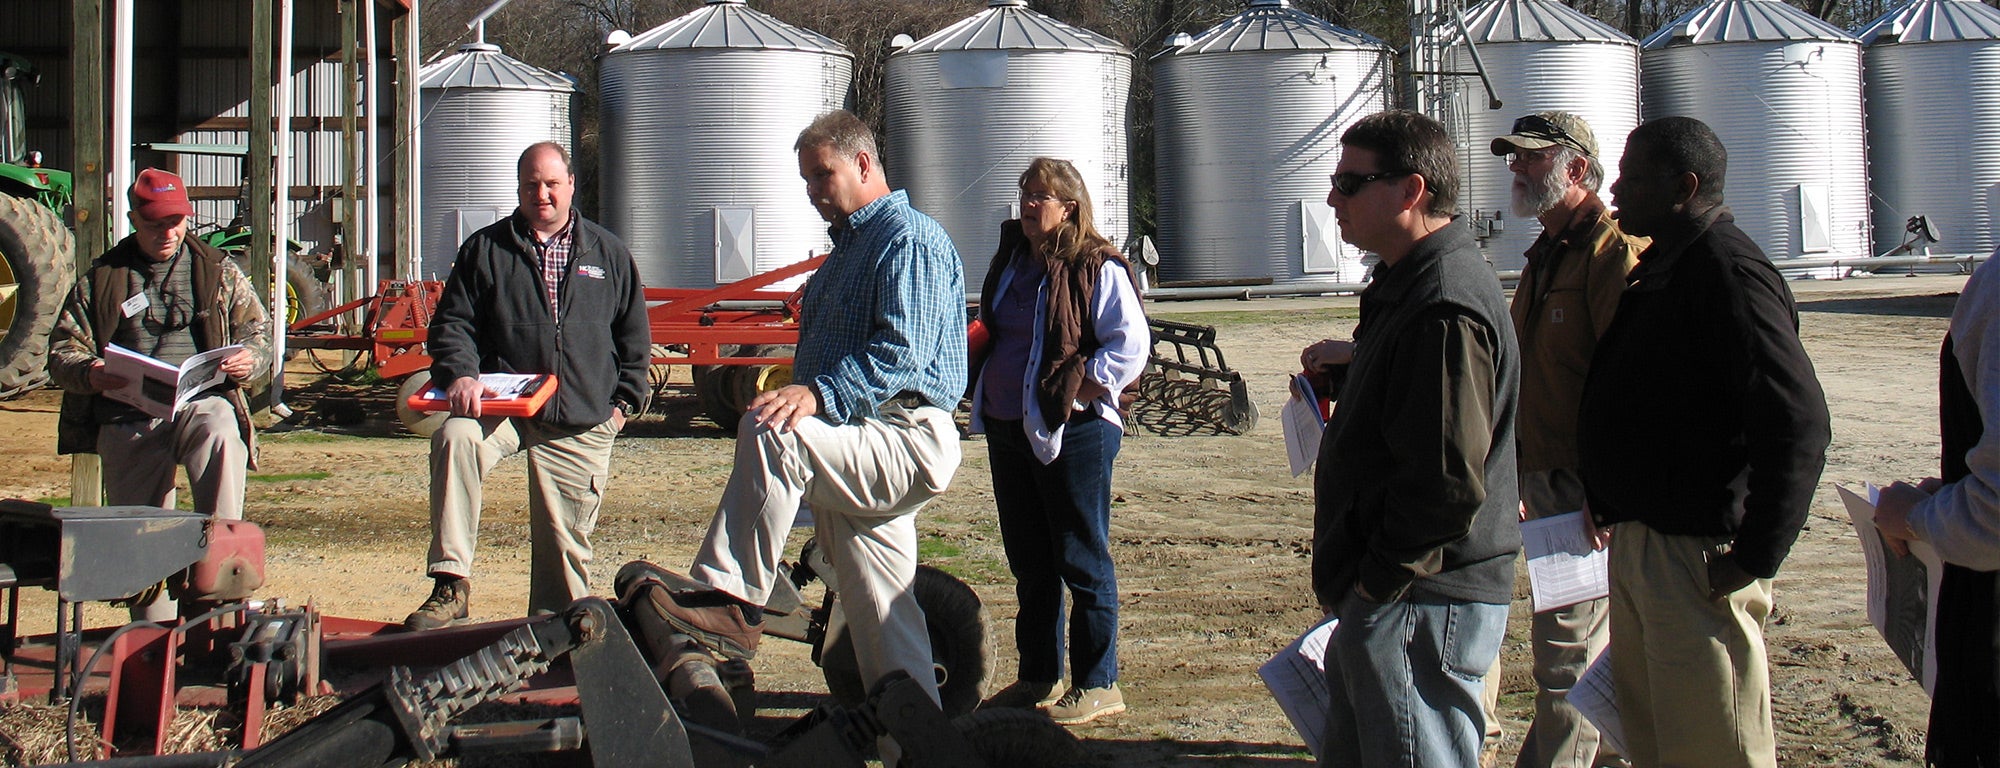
(1416,526)
(544,291)
(1703,431)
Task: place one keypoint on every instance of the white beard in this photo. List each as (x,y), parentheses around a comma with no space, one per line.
(1543,191)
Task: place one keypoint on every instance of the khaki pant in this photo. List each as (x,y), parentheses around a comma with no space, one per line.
(1691,676)
(865,482)
(140,457)
(1565,642)
(567,473)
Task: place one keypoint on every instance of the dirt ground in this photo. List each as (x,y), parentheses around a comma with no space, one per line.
(1211,535)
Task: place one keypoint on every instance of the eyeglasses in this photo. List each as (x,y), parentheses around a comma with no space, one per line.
(1538,127)
(1350,184)
(1039,198)
(1524,156)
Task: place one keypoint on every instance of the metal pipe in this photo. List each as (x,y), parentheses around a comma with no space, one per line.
(122,52)
(409,172)
(371,160)
(281,218)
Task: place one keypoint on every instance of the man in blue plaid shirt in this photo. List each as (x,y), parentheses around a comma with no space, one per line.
(864,434)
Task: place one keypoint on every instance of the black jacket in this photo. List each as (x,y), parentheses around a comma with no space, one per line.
(494,318)
(1702,415)
(1415,494)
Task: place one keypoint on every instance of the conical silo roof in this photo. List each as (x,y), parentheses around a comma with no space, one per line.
(1743,21)
(732,24)
(1273,25)
(1933,21)
(1011,25)
(1509,21)
(482,65)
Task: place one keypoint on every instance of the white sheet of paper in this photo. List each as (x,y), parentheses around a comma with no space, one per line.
(499,386)
(1597,701)
(1303,426)
(1563,569)
(1297,679)
(1894,599)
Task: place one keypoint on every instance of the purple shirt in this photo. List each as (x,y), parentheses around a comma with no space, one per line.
(1014,318)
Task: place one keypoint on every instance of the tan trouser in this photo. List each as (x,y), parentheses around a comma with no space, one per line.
(1565,642)
(1693,685)
(139,459)
(865,483)
(567,473)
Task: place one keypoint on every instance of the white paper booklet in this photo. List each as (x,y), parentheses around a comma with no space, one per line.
(1563,569)
(1297,679)
(499,386)
(159,389)
(1597,701)
(1900,589)
(1303,425)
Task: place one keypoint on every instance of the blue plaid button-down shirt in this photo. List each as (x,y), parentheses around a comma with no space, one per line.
(885,315)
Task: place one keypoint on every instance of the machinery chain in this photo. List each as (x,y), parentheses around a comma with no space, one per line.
(426,705)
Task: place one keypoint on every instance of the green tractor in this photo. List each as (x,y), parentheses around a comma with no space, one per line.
(37,252)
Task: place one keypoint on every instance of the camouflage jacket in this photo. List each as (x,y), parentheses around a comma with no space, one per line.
(91,312)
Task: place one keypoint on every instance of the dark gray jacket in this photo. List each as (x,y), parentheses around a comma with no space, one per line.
(494,318)
(1415,493)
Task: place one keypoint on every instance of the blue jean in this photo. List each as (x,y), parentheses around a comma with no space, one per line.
(1404,681)
(1055,521)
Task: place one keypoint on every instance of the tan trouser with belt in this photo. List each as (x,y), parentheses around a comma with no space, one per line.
(567,473)
(140,458)
(1693,683)
(865,482)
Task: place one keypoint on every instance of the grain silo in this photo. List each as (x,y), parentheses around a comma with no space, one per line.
(970,105)
(480,108)
(1933,88)
(696,170)
(1248,117)
(1540,55)
(1782,89)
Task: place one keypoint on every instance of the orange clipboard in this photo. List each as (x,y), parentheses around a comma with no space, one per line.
(528,403)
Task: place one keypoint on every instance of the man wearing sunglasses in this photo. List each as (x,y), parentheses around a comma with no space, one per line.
(1567,295)
(161,293)
(1701,435)
(1415,527)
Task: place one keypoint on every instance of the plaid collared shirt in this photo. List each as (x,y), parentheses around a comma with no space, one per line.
(555,254)
(885,315)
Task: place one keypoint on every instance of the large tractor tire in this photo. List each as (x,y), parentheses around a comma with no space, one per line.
(960,655)
(725,391)
(1020,738)
(420,423)
(37,267)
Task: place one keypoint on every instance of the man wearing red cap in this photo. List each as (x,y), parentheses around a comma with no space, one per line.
(164,294)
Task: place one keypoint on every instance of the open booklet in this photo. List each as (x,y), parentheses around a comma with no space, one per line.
(159,389)
(507,394)
(1901,590)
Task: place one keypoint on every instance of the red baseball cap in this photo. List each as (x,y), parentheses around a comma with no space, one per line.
(157,194)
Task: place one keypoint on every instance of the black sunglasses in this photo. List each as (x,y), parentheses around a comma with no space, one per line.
(1350,184)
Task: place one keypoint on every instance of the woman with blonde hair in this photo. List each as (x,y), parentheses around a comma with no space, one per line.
(1067,337)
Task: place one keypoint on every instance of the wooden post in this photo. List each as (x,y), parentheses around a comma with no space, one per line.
(87,121)
(258,168)
(350,150)
(409,151)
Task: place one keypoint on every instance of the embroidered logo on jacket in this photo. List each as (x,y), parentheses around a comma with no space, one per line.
(591,271)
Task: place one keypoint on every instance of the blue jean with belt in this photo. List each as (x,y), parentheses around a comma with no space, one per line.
(1055,521)
(1404,681)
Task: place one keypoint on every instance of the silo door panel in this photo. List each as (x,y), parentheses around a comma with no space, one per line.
(735,243)
(973,69)
(1815,228)
(1320,244)
(472,220)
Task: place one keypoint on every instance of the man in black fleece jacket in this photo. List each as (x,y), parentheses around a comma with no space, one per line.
(1703,431)
(1416,509)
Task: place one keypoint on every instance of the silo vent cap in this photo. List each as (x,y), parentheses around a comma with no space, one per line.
(479,48)
(1270,3)
(1179,39)
(1006,3)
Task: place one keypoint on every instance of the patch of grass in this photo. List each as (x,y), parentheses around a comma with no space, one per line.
(929,549)
(54,501)
(301,437)
(287,477)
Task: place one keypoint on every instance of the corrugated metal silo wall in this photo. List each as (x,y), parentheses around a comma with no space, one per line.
(472,138)
(1934,141)
(1789,115)
(690,132)
(959,144)
(1598,81)
(1245,142)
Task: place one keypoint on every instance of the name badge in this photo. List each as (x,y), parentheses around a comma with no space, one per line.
(133,306)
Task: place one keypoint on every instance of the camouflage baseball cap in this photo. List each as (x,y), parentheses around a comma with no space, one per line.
(1548,129)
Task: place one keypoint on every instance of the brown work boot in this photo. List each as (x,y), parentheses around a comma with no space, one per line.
(448,604)
(712,617)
